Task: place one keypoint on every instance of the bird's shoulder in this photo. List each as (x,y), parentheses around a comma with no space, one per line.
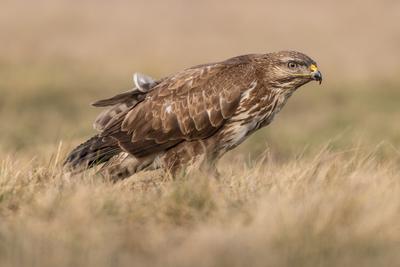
(218,76)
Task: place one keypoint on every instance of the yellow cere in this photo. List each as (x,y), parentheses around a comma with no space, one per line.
(313,68)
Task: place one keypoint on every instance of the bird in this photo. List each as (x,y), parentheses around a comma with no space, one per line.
(191,118)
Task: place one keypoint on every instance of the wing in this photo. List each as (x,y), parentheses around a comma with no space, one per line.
(191,105)
(123,102)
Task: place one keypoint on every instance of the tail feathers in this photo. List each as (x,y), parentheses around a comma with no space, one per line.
(94,151)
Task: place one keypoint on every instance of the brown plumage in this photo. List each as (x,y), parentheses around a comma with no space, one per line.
(193,117)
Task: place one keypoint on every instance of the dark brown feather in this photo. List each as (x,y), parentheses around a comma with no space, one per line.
(119,104)
(94,151)
(191,105)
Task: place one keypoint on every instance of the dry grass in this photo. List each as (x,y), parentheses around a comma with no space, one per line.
(336,209)
(56,56)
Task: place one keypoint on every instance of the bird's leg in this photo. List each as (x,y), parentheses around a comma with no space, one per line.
(214,173)
(209,166)
(126,167)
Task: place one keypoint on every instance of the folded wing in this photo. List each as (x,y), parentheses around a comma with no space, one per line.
(191,105)
(123,102)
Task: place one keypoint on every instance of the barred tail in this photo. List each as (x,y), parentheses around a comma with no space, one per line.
(94,151)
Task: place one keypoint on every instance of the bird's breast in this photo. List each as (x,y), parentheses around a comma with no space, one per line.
(250,118)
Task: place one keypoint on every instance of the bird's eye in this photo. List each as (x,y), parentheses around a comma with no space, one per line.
(292,65)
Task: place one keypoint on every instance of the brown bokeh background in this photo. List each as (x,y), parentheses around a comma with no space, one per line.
(57,56)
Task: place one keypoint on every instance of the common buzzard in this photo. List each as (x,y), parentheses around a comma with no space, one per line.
(192,117)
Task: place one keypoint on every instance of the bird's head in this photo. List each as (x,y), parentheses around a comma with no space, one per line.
(291,69)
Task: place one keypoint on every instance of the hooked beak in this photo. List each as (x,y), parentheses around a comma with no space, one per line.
(315,73)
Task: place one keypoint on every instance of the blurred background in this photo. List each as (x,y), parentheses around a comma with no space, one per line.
(57,56)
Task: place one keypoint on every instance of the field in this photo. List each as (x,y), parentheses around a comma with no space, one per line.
(319,187)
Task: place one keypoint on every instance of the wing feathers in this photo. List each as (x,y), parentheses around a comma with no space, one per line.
(121,103)
(123,97)
(191,105)
(228,102)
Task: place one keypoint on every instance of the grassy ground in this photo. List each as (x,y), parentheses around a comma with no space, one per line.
(333,209)
(319,187)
